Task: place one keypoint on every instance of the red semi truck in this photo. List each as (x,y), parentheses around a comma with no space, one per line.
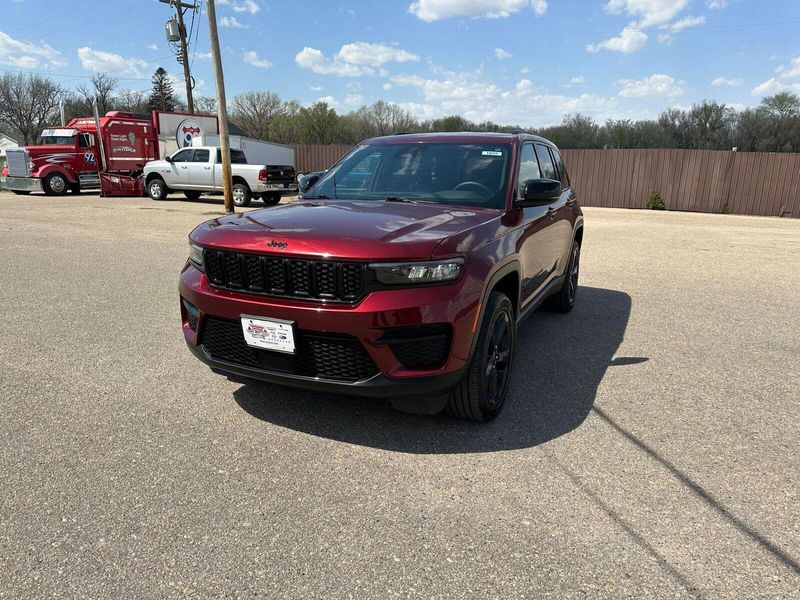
(107,154)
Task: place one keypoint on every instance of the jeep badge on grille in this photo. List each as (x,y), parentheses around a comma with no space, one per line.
(278,245)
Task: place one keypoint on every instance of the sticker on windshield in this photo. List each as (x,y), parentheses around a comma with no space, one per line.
(492,153)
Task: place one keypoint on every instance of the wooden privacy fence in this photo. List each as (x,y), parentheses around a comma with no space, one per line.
(744,183)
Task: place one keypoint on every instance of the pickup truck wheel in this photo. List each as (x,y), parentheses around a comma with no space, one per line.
(55,184)
(241,194)
(481,394)
(192,195)
(564,299)
(271,198)
(157,189)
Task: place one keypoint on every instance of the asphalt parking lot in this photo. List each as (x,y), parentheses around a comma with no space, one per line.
(650,447)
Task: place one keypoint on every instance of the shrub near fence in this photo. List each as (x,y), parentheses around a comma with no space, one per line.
(743,183)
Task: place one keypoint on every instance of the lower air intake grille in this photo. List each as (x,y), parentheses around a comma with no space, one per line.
(419,346)
(326,355)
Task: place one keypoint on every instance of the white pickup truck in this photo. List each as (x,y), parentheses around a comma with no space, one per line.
(198,170)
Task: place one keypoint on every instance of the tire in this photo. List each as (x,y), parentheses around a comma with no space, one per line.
(564,299)
(20,192)
(241,194)
(192,194)
(75,188)
(157,189)
(480,396)
(271,199)
(55,184)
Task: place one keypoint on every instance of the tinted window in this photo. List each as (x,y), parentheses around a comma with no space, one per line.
(86,140)
(528,168)
(561,170)
(546,162)
(201,156)
(359,177)
(183,156)
(237,157)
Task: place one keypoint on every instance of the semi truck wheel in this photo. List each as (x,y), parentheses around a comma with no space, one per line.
(192,195)
(271,198)
(55,184)
(157,189)
(241,194)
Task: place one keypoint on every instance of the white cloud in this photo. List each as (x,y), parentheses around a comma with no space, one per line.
(249,6)
(202,55)
(231,23)
(717,4)
(27,55)
(720,81)
(419,110)
(343,11)
(108,62)
(667,36)
(657,84)
(471,95)
(373,55)
(353,60)
(316,88)
(502,54)
(788,78)
(314,60)
(387,87)
(524,70)
(152,46)
(350,102)
(577,80)
(649,12)
(628,41)
(251,57)
(435,10)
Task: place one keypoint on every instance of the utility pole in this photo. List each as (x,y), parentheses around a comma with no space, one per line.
(222,107)
(183,56)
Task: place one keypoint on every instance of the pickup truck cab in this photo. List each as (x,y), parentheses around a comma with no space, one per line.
(198,170)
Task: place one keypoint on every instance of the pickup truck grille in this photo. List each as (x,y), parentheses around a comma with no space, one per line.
(287,277)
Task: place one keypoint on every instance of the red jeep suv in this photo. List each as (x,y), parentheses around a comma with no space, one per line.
(404,272)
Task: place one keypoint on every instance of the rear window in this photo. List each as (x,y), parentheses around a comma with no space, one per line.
(546,162)
(237,157)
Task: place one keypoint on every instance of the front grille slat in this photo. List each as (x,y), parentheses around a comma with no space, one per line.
(338,357)
(286,277)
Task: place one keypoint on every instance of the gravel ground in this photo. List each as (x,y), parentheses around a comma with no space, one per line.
(650,447)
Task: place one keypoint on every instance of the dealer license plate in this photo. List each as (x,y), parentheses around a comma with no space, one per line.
(268,334)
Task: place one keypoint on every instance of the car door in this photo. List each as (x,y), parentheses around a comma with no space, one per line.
(533,246)
(178,176)
(565,218)
(552,238)
(201,173)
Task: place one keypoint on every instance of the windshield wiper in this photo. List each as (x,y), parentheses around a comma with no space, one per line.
(399,199)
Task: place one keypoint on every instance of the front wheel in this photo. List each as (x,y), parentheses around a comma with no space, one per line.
(564,299)
(480,396)
(157,189)
(55,184)
(241,194)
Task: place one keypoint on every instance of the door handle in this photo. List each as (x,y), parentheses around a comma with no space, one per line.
(207,168)
(552,212)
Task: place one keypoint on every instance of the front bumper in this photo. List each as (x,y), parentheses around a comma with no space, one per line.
(20,184)
(367,321)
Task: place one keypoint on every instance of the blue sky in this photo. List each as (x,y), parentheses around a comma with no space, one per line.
(526,62)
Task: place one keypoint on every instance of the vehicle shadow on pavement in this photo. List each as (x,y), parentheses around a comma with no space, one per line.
(560,361)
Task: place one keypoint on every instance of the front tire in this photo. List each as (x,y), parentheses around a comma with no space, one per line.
(192,194)
(241,194)
(55,184)
(157,189)
(564,299)
(480,396)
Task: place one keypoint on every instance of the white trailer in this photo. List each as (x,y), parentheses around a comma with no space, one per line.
(257,152)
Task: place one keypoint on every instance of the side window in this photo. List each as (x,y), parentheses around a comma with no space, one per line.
(238,157)
(201,156)
(528,168)
(183,156)
(561,170)
(86,140)
(546,162)
(359,176)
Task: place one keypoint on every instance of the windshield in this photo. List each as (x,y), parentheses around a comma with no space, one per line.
(445,173)
(57,140)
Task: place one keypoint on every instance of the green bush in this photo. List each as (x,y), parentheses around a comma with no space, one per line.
(724,209)
(655,201)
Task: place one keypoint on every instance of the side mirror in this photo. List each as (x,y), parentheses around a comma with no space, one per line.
(540,191)
(168,158)
(305,182)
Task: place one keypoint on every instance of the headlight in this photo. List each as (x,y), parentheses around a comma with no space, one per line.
(439,271)
(196,255)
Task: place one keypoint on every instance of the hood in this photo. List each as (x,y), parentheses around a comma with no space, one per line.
(357,230)
(54,154)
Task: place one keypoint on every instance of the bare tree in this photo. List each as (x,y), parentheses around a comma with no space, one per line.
(102,88)
(206,105)
(133,101)
(254,111)
(28,103)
